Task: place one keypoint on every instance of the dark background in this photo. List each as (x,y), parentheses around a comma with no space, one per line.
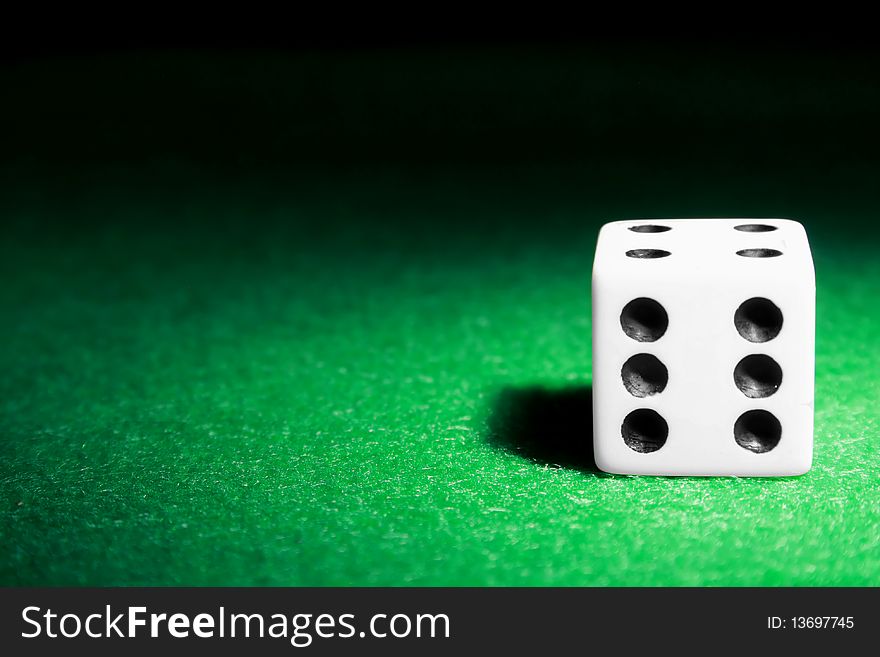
(658,123)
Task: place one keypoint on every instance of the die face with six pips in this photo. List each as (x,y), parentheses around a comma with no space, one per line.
(703,347)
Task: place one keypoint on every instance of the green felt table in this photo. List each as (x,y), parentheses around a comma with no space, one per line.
(323,318)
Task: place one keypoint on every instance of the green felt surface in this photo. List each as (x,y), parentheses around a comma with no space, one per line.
(323,319)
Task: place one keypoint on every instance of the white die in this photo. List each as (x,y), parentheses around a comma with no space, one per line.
(703,347)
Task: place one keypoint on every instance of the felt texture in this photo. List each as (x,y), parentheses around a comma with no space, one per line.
(324,319)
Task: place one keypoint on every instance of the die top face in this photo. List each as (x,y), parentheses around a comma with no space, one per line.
(703,347)
(699,251)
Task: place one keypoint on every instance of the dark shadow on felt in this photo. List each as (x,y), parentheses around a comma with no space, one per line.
(549,426)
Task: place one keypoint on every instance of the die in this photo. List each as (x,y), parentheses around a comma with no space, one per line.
(703,347)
